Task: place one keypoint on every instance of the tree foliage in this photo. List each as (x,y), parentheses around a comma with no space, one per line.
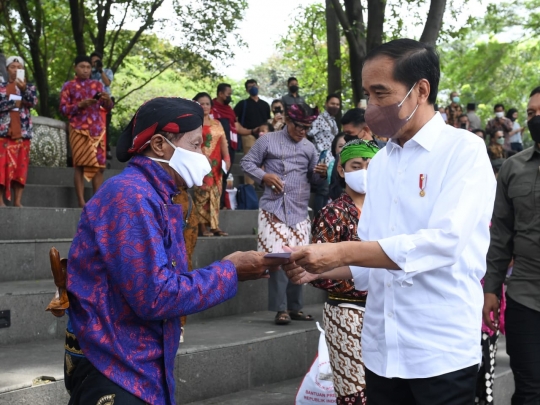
(496,60)
(187,38)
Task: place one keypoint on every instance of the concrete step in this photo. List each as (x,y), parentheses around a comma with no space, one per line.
(59,176)
(239,360)
(224,356)
(272,394)
(27,301)
(29,259)
(52,223)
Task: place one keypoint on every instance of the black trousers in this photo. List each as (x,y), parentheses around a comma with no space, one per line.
(455,388)
(87,386)
(523,347)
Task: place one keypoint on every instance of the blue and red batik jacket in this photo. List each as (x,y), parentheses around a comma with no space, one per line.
(128,281)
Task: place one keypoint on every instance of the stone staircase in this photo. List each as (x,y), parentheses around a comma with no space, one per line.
(232,347)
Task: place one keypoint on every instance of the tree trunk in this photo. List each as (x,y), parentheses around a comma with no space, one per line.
(357,57)
(77,24)
(40,65)
(433,22)
(376,12)
(334,50)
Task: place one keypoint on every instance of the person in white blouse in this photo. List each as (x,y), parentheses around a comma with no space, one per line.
(425,234)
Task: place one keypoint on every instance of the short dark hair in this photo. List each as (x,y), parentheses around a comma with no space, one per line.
(81,58)
(277,100)
(535,91)
(290,79)
(354,116)
(201,95)
(333,95)
(413,61)
(267,124)
(222,87)
(471,106)
(96,53)
(463,115)
(497,106)
(474,131)
(250,81)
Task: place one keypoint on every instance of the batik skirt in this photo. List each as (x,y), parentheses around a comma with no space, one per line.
(343,331)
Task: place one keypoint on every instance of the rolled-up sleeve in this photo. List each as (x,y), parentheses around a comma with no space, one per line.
(468,191)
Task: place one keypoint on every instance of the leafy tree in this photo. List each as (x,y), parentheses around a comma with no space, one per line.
(49,33)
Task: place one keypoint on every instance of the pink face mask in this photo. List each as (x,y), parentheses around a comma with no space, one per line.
(384,120)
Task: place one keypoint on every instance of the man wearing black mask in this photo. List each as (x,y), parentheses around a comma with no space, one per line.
(515,234)
(292,97)
(251,113)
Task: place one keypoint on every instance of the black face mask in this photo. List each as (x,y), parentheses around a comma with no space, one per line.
(278,111)
(534,128)
(227,100)
(293,89)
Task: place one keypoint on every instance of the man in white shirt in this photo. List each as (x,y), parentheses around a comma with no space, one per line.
(425,234)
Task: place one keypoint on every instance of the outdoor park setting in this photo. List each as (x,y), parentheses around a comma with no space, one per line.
(285,202)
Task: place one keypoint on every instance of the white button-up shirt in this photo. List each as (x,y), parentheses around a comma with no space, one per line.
(424,320)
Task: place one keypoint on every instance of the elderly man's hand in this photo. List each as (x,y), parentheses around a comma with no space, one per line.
(87,103)
(253,265)
(298,275)
(316,258)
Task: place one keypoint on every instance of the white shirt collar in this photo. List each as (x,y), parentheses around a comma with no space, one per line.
(425,137)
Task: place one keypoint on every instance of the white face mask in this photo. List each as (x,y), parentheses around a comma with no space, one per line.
(499,114)
(357,180)
(191,166)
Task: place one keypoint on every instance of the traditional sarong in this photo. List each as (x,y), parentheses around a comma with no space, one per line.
(14,159)
(207,203)
(274,234)
(343,330)
(88,151)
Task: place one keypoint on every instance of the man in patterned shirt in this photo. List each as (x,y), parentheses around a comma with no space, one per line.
(286,163)
(128,281)
(80,101)
(322,134)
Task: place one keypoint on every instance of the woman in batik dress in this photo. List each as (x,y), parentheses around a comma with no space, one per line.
(215,147)
(345,305)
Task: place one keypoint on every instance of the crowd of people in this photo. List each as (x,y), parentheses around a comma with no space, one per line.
(406,213)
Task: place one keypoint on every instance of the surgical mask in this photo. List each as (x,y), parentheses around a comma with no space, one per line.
(293,89)
(357,180)
(455,99)
(534,128)
(227,100)
(500,141)
(499,114)
(384,120)
(253,91)
(191,166)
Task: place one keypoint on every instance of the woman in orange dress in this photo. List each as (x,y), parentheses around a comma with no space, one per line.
(215,147)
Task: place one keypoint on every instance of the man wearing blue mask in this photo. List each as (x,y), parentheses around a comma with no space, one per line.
(127,278)
(426,252)
(251,113)
(454,110)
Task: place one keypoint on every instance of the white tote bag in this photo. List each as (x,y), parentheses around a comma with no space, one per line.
(317,386)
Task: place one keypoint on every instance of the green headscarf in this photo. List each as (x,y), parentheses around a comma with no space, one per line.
(358,149)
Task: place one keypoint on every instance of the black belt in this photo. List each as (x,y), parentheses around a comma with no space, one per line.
(336,302)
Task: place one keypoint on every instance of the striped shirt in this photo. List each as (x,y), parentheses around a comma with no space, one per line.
(294,164)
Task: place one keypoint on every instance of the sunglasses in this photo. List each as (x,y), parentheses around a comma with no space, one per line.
(301,127)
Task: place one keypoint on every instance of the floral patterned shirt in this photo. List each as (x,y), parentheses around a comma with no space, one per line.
(337,222)
(89,118)
(29,100)
(128,281)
